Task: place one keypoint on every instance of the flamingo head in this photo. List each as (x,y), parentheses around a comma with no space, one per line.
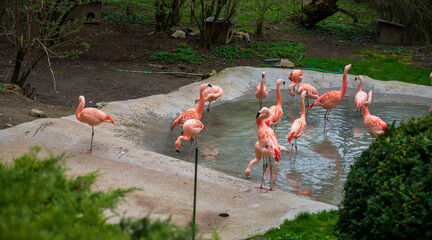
(81,99)
(303,94)
(359,77)
(263,113)
(263,75)
(204,86)
(369,101)
(177,145)
(347,67)
(280,81)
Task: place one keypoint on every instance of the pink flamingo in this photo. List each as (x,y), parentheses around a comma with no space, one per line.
(91,116)
(299,125)
(374,125)
(333,98)
(296,76)
(210,95)
(268,145)
(431,78)
(261,91)
(276,110)
(192,113)
(361,96)
(312,93)
(192,127)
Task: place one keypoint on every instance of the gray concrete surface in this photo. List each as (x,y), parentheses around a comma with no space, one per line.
(124,155)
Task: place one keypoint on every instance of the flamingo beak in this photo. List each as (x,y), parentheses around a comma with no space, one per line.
(283,83)
(355,79)
(177,150)
(258,114)
(210,85)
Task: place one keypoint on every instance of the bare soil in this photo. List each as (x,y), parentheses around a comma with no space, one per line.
(100,75)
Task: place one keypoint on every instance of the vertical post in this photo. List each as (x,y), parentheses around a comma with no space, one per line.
(195,190)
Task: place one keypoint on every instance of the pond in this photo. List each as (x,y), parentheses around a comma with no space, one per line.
(323,159)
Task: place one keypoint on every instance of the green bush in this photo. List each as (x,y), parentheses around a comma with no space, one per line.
(284,49)
(38,201)
(231,53)
(388,192)
(184,53)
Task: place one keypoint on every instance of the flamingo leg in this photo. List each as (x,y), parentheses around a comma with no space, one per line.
(271,176)
(307,101)
(208,114)
(264,169)
(328,117)
(91,142)
(295,142)
(260,103)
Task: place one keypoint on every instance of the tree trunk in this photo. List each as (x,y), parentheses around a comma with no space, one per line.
(15,79)
(317,11)
(167,15)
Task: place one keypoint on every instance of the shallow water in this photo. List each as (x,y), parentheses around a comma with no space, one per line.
(323,158)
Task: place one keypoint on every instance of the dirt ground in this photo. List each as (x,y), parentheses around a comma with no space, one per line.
(99,73)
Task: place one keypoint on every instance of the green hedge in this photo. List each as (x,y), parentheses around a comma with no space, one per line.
(388,192)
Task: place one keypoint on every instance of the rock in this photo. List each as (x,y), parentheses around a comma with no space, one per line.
(101,104)
(246,37)
(37,113)
(285,63)
(179,34)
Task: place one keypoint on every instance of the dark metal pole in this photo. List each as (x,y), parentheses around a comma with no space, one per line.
(195,190)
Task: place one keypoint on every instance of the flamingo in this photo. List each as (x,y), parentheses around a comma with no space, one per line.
(91,116)
(361,96)
(373,124)
(268,145)
(431,78)
(192,127)
(312,92)
(333,98)
(276,110)
(296,76)
(261,90)
(192,113)
(299,125)
(210,95)
(258,156)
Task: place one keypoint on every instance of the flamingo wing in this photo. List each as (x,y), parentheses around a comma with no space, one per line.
(188,114)
(328,100)
(93,116)
(297,129)
(275,117)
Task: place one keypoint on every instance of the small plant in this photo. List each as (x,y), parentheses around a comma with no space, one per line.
(1,87)
(388,190)
(230,53)
(184,53)
(285,49)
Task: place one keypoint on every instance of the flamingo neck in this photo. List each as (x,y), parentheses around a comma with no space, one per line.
(303,112)
(80,108)
(262,85)
(366,112)
(260,123)
(291,88)
(344,83)
(200,106)
(360,85)
(278,96)
(179,139)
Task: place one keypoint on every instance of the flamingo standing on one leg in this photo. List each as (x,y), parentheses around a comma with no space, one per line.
(191,127)
(296,76)
(276,110)
(361,96)
(91,116)
(261,91)
(299,125)
(192,113)
(210,95)
(258,156)
(333,98)
(312,93)
(267,144)
(373,124)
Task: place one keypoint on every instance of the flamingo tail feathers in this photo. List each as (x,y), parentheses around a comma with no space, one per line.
(358,105)
(173,125)
(290,136)
(108,118)
(277,155)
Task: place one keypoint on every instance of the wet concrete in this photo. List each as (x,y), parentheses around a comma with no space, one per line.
(124,155)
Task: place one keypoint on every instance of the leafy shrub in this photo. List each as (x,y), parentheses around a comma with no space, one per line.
(388,192)
(284,49)
(38,201)
(230,53)
(184,53)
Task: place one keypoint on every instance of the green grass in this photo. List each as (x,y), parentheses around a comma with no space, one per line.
(232,53)
(183,53)
(304,226)
(375,66)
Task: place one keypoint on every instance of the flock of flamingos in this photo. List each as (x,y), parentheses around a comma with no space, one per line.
(267,145)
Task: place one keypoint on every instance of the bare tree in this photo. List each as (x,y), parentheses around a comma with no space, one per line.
(167,13)
(207,15)
(262,7)
(39,29)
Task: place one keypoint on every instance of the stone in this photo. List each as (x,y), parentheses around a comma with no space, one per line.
(285,63)
(179,34)
(37,113)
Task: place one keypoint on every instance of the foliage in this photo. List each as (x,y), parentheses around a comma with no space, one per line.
(167,13)
(1,87)
(376,66)
(388,192)
(284,49)
(230,53)
(304,226)
(184,53)
(351,31)
(415,14)
(38,201)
